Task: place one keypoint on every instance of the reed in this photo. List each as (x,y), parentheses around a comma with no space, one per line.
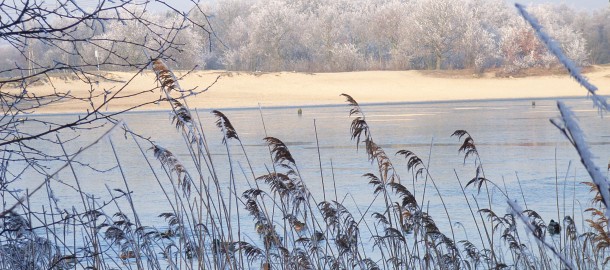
(287,227)
(276,222)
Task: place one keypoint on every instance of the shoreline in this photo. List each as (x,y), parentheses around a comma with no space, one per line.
(239,90)
(331,105)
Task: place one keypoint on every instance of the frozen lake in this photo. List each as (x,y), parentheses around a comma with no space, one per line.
(513,138)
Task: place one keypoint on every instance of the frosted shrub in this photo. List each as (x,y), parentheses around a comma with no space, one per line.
(346,57)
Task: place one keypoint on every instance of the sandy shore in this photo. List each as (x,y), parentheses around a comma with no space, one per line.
(234,89)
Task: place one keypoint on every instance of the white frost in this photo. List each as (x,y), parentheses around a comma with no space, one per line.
(554,48)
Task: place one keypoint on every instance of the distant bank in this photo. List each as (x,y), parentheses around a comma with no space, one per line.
(241,89)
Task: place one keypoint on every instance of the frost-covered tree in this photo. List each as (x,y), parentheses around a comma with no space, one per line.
(596,30)
(387,33)
(342,35)
(135,36)
(121,36)
(480,41)
(439,25)
(337,29)
(521,49)
(129,40)
(558,21)
(267,39)
(227,20)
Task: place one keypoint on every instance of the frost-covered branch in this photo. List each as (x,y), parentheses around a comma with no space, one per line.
(572,68)
(517,211)
(572,131)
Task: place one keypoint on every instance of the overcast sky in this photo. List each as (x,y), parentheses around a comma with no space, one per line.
(578,4)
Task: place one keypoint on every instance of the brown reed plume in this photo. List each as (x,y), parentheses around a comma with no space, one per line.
(359,126)
(165,76)
(414,163)
(470,149)
(223,122)
(169,160)
(169,83)
(598,222)
(182,116)
(360,131)
(279,151)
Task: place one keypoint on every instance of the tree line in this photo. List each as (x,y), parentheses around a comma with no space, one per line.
(325,36)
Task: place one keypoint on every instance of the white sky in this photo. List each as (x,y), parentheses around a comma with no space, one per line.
(578,4)
(185,5)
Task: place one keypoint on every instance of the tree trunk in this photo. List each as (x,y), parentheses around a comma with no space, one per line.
(439,61)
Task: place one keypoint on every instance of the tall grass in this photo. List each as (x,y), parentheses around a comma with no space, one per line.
(275,222)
